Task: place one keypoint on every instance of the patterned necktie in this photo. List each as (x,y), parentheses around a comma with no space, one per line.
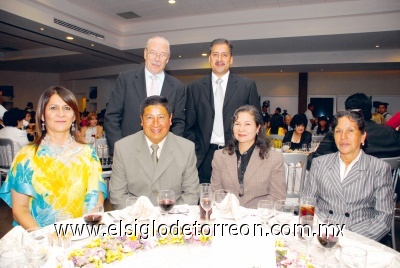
(154,86)
(218,126)
(154,154)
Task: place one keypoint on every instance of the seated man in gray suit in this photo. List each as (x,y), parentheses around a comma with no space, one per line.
(154,159)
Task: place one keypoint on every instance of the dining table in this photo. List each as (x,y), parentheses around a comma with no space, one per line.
(240,241)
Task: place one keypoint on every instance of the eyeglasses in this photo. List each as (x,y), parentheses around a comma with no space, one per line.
(153,55)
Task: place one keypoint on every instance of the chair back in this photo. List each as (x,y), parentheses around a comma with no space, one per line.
(6,154)
(318,138)
(101,148)
(394,163)
(295,173)
(276,140)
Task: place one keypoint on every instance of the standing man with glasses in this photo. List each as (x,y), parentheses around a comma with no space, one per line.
(218,94)
(122,116)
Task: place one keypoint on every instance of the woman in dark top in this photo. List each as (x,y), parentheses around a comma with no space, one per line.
(298,136)
(322,127)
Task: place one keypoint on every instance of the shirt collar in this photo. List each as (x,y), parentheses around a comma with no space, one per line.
(224,77)
(160,144)
(149,74)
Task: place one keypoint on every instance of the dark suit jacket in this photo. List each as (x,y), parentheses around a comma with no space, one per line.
(122,116)
(133,172)
(363,201)
(381,142)
(200,109)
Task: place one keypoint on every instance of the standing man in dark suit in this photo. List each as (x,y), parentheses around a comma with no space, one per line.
(122,116)
(211,102)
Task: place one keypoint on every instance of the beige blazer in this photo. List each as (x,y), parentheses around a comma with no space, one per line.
(263,179)
(133,172)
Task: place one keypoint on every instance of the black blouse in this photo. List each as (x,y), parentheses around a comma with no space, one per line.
(306,138)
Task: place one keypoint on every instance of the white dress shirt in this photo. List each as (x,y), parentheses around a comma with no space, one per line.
(160,146)
(18,136)
(149,81)
(214,137)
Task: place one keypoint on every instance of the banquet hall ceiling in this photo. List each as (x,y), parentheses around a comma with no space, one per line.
(268,35)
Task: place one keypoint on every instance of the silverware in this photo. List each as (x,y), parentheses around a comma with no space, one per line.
(111,215)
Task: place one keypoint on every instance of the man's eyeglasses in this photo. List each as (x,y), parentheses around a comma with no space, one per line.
(153,55)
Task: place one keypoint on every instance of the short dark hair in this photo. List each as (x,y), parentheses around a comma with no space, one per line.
(297,120)
(356,116)
(278,109)
(29,105)
(12,116)
(360,101)
(155,100)
(310,105)
(219,41)
(384,104)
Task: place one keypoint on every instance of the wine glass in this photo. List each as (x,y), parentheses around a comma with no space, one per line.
(265,211)
(283,211)
(327,235)
(92,213)
(37,243)
(64,236)
(306,230)
(206,199)
(219,196)
(304,147)
(166,201)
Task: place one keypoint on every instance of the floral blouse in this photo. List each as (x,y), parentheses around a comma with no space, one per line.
(55,181)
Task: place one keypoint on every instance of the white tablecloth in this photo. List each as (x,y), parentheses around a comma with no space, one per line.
(227,250)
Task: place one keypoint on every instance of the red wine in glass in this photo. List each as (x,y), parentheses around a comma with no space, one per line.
(92,219)
(166,205)
(328,241)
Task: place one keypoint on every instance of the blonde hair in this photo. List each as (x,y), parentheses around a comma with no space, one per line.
(378,118)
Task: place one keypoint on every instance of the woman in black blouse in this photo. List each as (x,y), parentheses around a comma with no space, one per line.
(298,136)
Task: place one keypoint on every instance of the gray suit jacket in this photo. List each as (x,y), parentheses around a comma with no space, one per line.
(200,109)
(133,173)
(263,179)
(122,117)
(363,201)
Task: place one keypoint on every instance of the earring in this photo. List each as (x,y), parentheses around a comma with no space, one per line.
(43,126)
(73,126)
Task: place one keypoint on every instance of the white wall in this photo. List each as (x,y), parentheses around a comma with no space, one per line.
(27,86)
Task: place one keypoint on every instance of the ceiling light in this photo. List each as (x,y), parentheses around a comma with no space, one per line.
(41,28)
(171,1)
(322,70)
(70,38)
(377,46)
(180,56)
(92,45)
(204,54)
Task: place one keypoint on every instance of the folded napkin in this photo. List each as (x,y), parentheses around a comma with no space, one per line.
(143,209)
(230,208)
(294,178)
(376,256)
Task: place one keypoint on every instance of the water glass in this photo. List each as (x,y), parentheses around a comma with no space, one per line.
(131,201)
(62,221)
(265,211)
(205,187)
(37,242)
(354,257)
(304,147)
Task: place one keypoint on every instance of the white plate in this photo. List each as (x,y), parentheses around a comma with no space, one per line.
(242,211)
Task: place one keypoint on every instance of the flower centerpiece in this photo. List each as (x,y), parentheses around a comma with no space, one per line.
(289,258)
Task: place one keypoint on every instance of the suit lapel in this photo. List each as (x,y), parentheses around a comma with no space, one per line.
(208,90)
(333,176)
(143,156)
(166,157)
(230,88)
(167,87)
(231,167)
(140,85)
(355,172)
(254,164)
